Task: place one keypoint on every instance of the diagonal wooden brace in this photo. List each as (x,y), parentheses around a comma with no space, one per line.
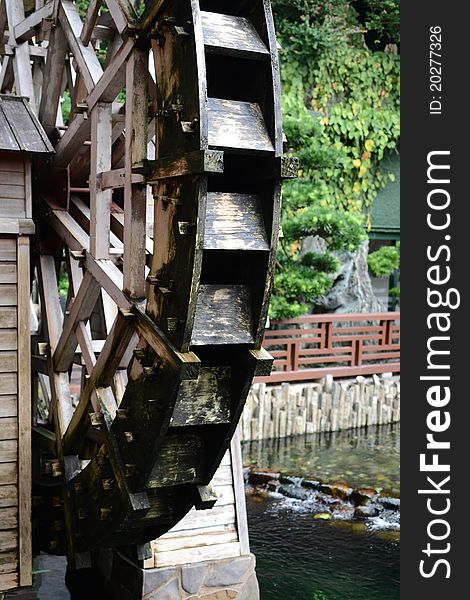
(81,310)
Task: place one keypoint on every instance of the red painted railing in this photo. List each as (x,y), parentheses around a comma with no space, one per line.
(343,345)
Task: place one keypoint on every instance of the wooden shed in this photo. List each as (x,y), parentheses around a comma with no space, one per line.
(21,135)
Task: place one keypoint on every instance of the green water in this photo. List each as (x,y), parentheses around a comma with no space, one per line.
(362,458)
(299,556)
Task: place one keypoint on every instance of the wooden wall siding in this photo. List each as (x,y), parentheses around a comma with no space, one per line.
(8,414)
(15,457)
(15,196)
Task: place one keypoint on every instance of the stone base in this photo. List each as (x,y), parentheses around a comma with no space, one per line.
(213,580)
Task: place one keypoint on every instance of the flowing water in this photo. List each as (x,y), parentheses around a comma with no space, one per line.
(301,558)
(362,457)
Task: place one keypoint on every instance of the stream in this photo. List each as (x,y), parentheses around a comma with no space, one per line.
(300,557)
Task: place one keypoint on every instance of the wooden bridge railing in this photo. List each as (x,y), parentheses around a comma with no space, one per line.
(344,345)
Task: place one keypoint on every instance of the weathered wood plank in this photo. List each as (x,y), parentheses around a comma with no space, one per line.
(237,125)
(26,29)
(10,191)
(135,195)
(86,347)
(21,62)
(13,207)
(195,555)
(239,492)
(8,294)
(100,200)
(8,384)
(223,315)
(54,319)
(8,450)
(53,74)
(106,366)
(8,495)
(8,406)
(197,519)
(72,140)
(192,163)
(231,35)
(8,429)
(8,518)
(186,364)
(7,249)
(8,562)
(28,185)
(24,414)
(17,226)
(193,540)
(81,310)
(8,360)
(8,580)
(90,21)
(180,460)
(205,400)
(123,14)
(8,474)
(11,163)
(115,179)
(7,317)
(85,56)
(12,177)
(234,222)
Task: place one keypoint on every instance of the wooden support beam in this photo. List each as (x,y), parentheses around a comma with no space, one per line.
(123,14)
(81,213)
(53,74)
(3,25)
(110,277)
(100,200)
(135,195)
(104,271)
(81,310)
(24,414)
(72,140)
(36,53)
(86,347)
(21,61)
(106,90)
(113,79)
(193,163)
(110,310)
(117,225)
(6,74)
(85,56)
(63,409)
(90,21)
(115,179)
(26,28)
(239,489)
(106,366)
(186,365)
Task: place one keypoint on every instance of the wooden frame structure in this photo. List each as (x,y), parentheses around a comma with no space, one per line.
(143,377)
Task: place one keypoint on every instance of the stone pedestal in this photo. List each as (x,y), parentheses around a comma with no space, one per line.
(228,579)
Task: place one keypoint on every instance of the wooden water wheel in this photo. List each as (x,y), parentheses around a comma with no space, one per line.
(158,219)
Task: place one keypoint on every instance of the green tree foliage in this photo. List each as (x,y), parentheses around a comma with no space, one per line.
(384,261)
(341,114)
